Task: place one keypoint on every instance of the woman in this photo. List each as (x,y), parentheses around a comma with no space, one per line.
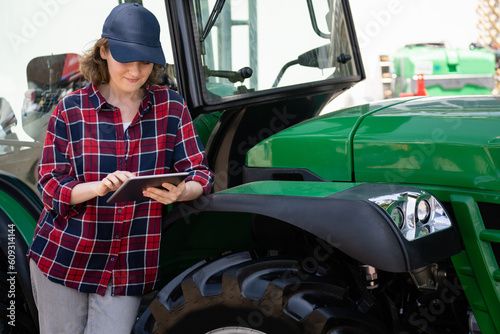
(90,260)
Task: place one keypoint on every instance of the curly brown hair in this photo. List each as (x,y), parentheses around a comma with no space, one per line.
(95,69)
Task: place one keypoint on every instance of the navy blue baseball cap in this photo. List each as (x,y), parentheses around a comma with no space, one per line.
(133,33)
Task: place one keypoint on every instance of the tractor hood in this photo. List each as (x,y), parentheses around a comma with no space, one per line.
(444,141)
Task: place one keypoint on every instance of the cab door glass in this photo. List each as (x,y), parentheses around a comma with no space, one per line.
(254,45)
(42,41)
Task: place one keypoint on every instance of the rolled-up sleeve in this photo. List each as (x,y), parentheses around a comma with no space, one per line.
(56,178)
(189,154)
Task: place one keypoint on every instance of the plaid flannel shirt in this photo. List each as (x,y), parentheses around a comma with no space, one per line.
(92,245)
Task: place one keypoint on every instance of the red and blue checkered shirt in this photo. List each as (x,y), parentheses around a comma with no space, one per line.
(95,244)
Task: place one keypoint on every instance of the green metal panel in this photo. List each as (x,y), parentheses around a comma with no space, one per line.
(321,145)
(435,141)
(476,238)
(204,125)
(291,188)
(448,142)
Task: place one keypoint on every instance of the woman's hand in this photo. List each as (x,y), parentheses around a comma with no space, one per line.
(83,192)
(170,193)
(112,182)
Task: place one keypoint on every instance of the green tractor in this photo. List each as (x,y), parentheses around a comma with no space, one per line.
(378,218)
(441,71)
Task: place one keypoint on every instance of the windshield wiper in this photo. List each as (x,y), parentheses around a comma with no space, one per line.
(213,18)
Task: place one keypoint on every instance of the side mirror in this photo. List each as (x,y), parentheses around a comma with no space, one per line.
(319,57)
(322,57)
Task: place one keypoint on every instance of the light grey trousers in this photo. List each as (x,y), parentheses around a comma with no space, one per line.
(64,310)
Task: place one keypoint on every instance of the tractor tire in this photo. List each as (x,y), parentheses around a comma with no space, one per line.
(241,295)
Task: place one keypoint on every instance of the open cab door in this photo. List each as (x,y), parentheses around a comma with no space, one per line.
(266,65)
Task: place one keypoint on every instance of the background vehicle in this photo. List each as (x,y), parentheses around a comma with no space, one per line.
(442,70)
(378,218)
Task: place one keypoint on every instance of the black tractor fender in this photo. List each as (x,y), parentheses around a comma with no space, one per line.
(346,220)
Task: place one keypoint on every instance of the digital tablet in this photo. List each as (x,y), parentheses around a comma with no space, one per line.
(131,189)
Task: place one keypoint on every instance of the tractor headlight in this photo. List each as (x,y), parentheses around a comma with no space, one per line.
(397,216)
(415,213)
(423,210)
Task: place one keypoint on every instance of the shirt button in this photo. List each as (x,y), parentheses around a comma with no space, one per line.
(119,210)
(112,259)
(117,236)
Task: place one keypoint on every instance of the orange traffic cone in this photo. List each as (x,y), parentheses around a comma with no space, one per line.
(421,91)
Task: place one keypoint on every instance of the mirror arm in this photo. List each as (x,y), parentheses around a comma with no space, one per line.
(282,71)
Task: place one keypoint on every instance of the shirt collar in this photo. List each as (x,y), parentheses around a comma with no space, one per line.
(98,101)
